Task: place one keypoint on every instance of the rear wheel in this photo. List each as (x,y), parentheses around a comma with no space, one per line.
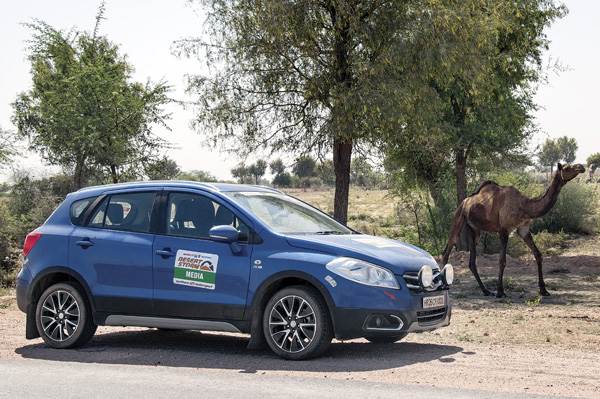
(385,339)
(63,317)
(296,323)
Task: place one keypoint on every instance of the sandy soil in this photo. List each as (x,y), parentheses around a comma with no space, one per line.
(520,344)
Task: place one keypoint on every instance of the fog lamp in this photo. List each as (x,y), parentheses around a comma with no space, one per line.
(448,274)
(426,276)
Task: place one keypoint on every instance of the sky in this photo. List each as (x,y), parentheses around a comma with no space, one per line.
(145,31)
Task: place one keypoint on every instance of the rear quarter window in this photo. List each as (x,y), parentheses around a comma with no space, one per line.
(78,208)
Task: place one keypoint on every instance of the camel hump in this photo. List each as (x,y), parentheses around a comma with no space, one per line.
(482,185)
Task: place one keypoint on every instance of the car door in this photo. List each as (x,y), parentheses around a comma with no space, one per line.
(195,277)
(115,248)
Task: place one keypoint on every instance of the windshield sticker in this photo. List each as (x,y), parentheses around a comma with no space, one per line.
(195,269)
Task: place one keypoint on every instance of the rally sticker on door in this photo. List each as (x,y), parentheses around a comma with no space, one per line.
(195,269)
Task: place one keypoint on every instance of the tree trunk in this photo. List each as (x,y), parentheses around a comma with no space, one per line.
(342,154)
(78,174)
(113,173)
(461,192)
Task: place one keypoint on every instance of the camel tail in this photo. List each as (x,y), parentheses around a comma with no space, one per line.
(457,226)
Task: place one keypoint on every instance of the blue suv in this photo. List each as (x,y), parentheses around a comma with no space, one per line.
(222,257)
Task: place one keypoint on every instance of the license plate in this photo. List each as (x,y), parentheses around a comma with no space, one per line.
(434,302)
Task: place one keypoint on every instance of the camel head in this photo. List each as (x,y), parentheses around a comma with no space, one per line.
(569,172)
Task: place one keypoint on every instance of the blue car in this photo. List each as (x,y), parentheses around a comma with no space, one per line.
(222,257)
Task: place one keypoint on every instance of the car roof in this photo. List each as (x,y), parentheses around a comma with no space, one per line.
(153,184)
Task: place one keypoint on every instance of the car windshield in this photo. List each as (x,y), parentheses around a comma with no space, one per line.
(287,215)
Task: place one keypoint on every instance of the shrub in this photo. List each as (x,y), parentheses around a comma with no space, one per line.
(573,212)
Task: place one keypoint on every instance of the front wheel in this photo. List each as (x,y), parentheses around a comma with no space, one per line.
(296,323)
(385,339)
(63,317)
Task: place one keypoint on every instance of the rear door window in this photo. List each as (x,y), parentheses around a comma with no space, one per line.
(127,211)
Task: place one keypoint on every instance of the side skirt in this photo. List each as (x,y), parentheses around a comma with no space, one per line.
(170,323)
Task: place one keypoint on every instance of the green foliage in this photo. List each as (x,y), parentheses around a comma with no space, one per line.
(162,169)
(325,172)
(283,179)
(197,175)
(7,146)
(363,174)
(29,204)
(257,170)
(305,166)
(477,101)
(556,150)
(249,174)
(83,110)
(277,167)
(576,206)
(593,161)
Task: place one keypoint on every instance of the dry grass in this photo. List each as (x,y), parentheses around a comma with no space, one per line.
(376,204)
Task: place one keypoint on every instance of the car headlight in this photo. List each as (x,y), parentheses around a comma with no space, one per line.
(426,276)
(448,274)
(363,272)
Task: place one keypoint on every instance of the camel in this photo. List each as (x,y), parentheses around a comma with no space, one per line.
(500,209)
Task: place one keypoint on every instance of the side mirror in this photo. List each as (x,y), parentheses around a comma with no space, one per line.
(224,233)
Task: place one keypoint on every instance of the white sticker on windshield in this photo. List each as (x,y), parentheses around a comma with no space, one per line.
(195,269)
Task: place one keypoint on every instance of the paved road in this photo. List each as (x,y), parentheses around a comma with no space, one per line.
(43,378)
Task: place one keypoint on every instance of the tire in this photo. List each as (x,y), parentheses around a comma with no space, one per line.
(64,305)
(292,337)
(385,339)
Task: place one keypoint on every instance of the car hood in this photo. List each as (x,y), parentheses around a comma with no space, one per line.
(399,257)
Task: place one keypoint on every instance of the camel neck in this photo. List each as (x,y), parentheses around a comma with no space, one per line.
(539,206)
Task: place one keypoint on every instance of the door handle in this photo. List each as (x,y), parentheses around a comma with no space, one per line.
(165,253)
(85,243)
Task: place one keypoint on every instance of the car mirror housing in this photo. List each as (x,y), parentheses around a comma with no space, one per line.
(224,233)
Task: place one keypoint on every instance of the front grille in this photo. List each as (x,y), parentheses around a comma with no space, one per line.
(412,282)
(426,317)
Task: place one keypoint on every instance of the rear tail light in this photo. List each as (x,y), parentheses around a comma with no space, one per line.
(30,241)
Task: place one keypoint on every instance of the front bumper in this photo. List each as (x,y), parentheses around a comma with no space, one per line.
(352,322)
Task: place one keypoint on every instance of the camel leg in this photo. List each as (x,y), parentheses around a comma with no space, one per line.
(528,238)
(502,264)
(457,225)
(472,236)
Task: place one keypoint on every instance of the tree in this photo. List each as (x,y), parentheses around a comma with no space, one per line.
(83,110)
(549,154)
(593,162)
(258,170)
(308,76)
(556,150)
(325,172)
(162,169)
(197,175)
(567,147)
(277,167)
(281,177)
(480,98)
(7,146)
(241,173)
(305,166)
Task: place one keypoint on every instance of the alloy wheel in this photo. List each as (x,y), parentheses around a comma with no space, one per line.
(60,315)
(292,324)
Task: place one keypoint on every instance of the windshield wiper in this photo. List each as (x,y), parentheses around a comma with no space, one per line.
(328,232)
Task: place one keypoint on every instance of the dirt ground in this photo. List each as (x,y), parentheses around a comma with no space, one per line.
(520,344)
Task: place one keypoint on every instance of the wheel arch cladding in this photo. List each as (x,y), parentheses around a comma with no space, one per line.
(54,275)
(268,288)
